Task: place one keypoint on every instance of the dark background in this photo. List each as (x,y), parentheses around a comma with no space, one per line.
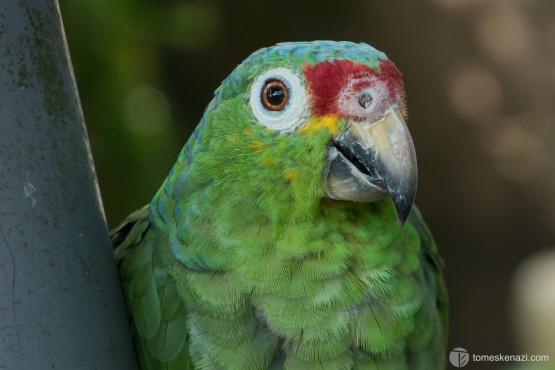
(480,81)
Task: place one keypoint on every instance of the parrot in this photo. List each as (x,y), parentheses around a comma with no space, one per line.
(285,236)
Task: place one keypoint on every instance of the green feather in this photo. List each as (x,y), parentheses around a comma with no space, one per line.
(373,363)
(168,342)
(344,361)
(377,331)
(145,305)
(241,262)
(169,300)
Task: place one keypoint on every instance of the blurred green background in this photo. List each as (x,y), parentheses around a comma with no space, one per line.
(480,81)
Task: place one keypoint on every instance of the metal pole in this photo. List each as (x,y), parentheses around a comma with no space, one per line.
(60,301)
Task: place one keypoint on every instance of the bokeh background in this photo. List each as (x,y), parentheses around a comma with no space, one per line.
(480,81)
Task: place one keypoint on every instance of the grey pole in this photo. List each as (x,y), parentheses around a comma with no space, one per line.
(60,300)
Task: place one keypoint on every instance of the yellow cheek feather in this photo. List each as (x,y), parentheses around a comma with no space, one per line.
(267,161)
(257,146)
(328,123)
(291,175)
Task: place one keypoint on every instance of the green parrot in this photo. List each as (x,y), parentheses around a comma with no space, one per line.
(283,236)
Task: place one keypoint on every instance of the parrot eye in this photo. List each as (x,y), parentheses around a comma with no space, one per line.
(278,100)
(274,95)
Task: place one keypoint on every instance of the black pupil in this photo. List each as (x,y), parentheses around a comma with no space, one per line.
(275,94)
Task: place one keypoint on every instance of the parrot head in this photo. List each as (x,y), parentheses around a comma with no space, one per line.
(305,121)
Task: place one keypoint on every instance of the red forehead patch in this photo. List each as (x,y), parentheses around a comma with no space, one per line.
(327,79)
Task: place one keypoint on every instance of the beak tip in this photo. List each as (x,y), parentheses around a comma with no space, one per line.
(402,218)
(403,207)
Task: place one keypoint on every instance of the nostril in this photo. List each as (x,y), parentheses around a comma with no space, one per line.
(365,100)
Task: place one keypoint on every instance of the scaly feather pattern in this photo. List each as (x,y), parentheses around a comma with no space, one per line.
(240,262)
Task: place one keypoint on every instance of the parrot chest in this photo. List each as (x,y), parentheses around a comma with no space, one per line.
(345,287)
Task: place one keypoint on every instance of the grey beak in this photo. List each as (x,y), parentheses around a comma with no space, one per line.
(372,160)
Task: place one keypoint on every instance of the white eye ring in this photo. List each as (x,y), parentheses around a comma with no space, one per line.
(293,114)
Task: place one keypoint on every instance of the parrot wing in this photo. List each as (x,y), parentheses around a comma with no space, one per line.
(158,316)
